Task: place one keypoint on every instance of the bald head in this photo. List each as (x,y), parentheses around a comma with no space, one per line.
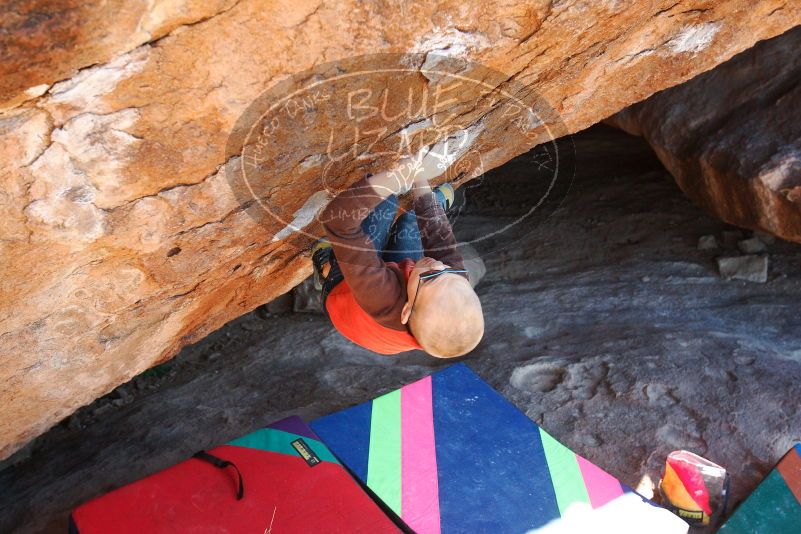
(447,319)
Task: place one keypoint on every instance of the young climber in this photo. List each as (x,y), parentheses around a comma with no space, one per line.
(396,285)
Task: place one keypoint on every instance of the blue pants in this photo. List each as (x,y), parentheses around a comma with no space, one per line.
(398,241)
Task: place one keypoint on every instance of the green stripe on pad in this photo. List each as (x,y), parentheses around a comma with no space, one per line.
(272,440)
(384,460)
(568,483)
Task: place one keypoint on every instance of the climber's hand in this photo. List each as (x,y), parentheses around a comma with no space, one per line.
(429,162)
(411,169)
(440,156)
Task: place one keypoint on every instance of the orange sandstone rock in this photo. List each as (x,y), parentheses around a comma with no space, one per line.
(732,136)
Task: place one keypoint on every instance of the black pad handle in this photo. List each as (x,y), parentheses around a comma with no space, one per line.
(222,464)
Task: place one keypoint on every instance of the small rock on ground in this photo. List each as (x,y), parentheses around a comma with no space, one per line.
(707,242)
(752,246)
(306,299)
(768,239)
(752,268)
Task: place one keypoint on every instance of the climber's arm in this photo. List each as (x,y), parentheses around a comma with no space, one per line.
(377,288)
(436,233)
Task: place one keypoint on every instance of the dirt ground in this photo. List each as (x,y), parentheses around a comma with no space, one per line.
(605,324)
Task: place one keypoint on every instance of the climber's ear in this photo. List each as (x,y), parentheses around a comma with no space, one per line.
(406,312)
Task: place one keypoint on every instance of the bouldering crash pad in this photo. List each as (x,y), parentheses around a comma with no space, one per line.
(775,506)
(290,482)
(449,454)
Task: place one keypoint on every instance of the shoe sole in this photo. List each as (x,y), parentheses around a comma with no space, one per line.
(448,193)
(321,244)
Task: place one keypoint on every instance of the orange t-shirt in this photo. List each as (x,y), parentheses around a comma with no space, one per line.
(355,324)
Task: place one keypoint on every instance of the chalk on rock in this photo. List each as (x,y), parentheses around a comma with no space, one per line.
(752,246)
(752,268)
(707,242)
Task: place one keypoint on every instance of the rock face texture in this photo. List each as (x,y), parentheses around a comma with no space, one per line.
(121,238)
(732,136)
(47,41)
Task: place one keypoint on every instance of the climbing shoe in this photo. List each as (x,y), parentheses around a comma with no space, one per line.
(321,254)
(448,194)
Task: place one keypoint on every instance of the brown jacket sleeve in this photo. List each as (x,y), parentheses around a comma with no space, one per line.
(436,233)
(378,288)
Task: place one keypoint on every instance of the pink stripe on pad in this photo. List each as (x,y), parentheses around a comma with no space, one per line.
(419,486)
(601,486)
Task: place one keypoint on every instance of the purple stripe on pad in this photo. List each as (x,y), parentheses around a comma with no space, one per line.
(294,425)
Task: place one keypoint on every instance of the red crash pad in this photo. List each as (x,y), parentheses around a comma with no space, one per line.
(291,483)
